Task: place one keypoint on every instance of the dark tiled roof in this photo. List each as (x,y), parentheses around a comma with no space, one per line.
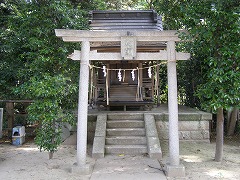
(125,20)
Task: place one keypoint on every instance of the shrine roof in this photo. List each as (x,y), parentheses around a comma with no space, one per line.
(125,20)
(142,20)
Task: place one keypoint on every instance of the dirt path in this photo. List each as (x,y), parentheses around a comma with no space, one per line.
(27,163)
(198,159)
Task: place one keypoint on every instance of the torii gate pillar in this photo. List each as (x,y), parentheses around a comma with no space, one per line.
(173,167)
(81,166)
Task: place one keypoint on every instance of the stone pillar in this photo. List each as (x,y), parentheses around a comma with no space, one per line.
(1,121)
(81,166)
(157,84)
(173,167)
(106,93)
(140,74)
(91,87)
(140,82)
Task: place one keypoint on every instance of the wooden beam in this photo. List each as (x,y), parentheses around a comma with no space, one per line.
(95,56)
(80,35)
(10,115)
(17,101)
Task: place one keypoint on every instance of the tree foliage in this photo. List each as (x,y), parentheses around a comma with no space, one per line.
(215,34)
(7,66)
(50,108)
(214,43)
(121,5)
(36,65)
(213,71)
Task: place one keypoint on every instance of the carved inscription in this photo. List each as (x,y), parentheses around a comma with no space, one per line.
(128,47)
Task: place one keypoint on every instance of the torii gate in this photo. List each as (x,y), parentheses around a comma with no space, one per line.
(128,39)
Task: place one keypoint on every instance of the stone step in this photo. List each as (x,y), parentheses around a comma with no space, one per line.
(132,98)
(120,95)
(126,116)
(123,90)
(125,149)
(126,132)
(125,124)
(126,140)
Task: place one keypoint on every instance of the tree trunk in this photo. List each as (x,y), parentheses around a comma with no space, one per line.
(220,133)
(232,123)
(53,139)
(228,118)
(50,154)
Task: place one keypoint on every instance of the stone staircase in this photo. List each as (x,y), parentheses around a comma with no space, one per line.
(126,133)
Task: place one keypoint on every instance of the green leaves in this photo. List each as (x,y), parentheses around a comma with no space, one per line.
(51,96)
(214,42)
(34,63)
(48,138)
(49,87)
(220,87)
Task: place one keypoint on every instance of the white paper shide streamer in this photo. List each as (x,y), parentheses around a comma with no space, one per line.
(149,72)
(104,71)
(120,78)
(133,74)
(119,75)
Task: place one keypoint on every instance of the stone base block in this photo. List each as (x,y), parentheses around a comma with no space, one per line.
(82,170)
(98,147)
(174,171)
(71,140)
(154,148)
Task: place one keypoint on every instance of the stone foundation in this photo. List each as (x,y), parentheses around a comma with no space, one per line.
(191,126)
